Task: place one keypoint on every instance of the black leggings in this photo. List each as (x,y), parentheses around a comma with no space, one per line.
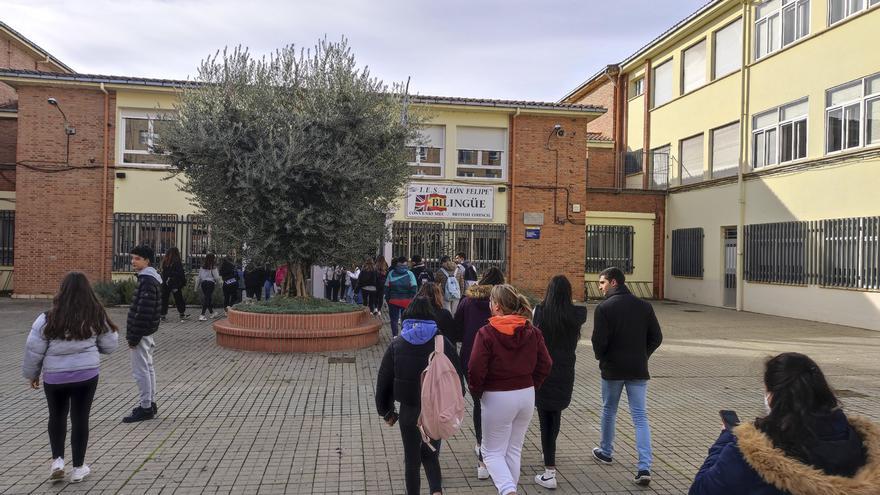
(416,453)
(178,300)
(254,292)
(371,299)
(230,294)
(207,296)
(478,421)
(76,399)
(549,431)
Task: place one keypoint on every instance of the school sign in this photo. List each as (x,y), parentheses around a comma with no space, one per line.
(453,202)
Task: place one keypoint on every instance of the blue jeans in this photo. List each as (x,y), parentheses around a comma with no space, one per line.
(637,395)
(268,287)
(394,312)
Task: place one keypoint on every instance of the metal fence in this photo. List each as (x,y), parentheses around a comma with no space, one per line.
(632,162)
(189,233)
(842,252)
(484,244)
(7,237)
(660,165)
(609,245)
(687,252)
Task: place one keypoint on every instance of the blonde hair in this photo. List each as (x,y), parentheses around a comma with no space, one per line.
(510,301)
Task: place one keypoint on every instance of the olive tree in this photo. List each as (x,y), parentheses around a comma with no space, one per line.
(297,156)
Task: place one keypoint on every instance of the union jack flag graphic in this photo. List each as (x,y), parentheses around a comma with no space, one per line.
(430,202)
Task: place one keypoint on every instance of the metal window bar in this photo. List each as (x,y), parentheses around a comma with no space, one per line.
(609,245)
(484,244)
(632,162)
(687,252)
(777,253)
(660,166)
(7,237)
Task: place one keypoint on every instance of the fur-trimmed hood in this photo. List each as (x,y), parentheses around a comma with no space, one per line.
(792,476)
(479,291)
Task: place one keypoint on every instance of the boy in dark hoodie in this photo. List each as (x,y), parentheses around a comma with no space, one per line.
(143,321)
(400,379)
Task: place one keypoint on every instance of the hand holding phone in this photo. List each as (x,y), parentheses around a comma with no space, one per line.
(729,419)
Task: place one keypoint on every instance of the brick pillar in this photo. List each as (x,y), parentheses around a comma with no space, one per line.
(58,205)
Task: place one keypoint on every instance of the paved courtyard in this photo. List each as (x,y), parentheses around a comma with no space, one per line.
(238,422)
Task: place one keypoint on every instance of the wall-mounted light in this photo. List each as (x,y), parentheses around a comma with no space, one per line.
(69,130)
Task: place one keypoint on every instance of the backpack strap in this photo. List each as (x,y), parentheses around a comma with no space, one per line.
(438,343)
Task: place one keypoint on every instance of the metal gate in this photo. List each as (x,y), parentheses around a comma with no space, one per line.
(484,244)
(730,267)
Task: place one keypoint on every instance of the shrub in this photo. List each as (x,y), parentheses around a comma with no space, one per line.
(107,293)
(297,305)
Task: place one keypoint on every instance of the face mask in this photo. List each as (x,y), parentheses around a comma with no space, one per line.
(767,403)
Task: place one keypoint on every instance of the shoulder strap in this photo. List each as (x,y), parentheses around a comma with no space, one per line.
(438,343)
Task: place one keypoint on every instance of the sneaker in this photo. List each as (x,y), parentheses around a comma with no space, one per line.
(79,473)
(203,318)
(183,318)
(57,469)
(482,473)
(215,315)
(642,478)
(139,414)
(601,457)
(154,408)
(547,479)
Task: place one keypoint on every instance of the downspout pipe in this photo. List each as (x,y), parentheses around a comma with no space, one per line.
(743,159)
(104,188)
(511,200)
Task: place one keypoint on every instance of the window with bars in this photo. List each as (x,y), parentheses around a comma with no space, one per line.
(776,252)
(687,252)
(609,245)
(7,237)
(632,163)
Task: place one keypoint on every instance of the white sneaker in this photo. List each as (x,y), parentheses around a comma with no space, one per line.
(203,318)
(547,479)
(482,473)
(57,469)
(215,315)
(79,473)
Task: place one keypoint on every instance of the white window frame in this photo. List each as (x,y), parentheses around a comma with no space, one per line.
(479,165)
(683,75)
(776,128)
(637,87)
(124,115)
(777,40)
(727,171)
(421,151)
(848,11)
(862,102)
(653,95)
(738,50)
(698,178)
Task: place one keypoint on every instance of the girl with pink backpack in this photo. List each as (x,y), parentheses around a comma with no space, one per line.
(400,378)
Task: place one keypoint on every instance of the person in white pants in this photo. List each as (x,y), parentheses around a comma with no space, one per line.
(508,362)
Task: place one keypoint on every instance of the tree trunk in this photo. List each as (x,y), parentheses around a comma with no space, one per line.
(295,280)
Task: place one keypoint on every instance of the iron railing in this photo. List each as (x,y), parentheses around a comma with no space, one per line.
(659,164)
(484,244)
(632,162)
(609,245)
(7,237)
(687,252)
(189,233)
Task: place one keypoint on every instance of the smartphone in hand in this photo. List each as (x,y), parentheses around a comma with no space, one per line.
(728,418)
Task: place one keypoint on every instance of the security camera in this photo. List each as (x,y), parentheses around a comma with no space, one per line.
(52,101)
(560,132)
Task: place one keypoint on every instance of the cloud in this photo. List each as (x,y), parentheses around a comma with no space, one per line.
(517,49)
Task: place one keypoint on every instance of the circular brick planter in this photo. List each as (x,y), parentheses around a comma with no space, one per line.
(297,333)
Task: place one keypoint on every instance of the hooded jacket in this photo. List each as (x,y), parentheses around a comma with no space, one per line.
(440,277)
(625,334)
(400,285)
(509,354)
(145,309)
(58,355)
(745,461)
(173,276)
(555,393)
(472,314)
(400,374)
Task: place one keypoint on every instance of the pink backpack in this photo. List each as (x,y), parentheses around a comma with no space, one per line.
(442,400)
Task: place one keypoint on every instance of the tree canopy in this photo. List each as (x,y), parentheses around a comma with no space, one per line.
(298,156)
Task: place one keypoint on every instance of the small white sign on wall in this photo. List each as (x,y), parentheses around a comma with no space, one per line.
(450,201)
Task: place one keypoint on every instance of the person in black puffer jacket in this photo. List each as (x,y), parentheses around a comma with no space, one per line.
(400,380)
(173,281)
(142,323)
(560,321)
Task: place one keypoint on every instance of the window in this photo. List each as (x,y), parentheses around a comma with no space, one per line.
(426,156)
(691,160)
(7,237)
(776,252)
(660,167)
(845,107)
(694,67)
(141,135)
(727,49)
(780,135)
(632,163)
(839,10)
(609,245)
(481,152)
(687,252)
(661,88)
(725,151)
(848,248)
(779,23)
(637,87)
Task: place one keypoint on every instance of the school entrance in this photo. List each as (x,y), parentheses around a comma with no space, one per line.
(484,244)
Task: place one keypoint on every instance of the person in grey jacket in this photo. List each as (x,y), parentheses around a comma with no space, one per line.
(142,323)
(64,345)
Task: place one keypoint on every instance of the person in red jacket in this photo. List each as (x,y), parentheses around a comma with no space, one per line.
(509,361)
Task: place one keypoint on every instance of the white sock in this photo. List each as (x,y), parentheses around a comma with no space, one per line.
(549,473)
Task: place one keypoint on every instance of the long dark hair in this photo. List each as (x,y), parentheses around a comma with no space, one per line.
(419,309)
(76,313)
(210,261)
(493,276)
(171,256)
(798,391)
(558,318)
(431,291)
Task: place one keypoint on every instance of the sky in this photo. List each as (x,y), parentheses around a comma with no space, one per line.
(507,49)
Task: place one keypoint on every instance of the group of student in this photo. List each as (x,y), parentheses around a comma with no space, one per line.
(513,358)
